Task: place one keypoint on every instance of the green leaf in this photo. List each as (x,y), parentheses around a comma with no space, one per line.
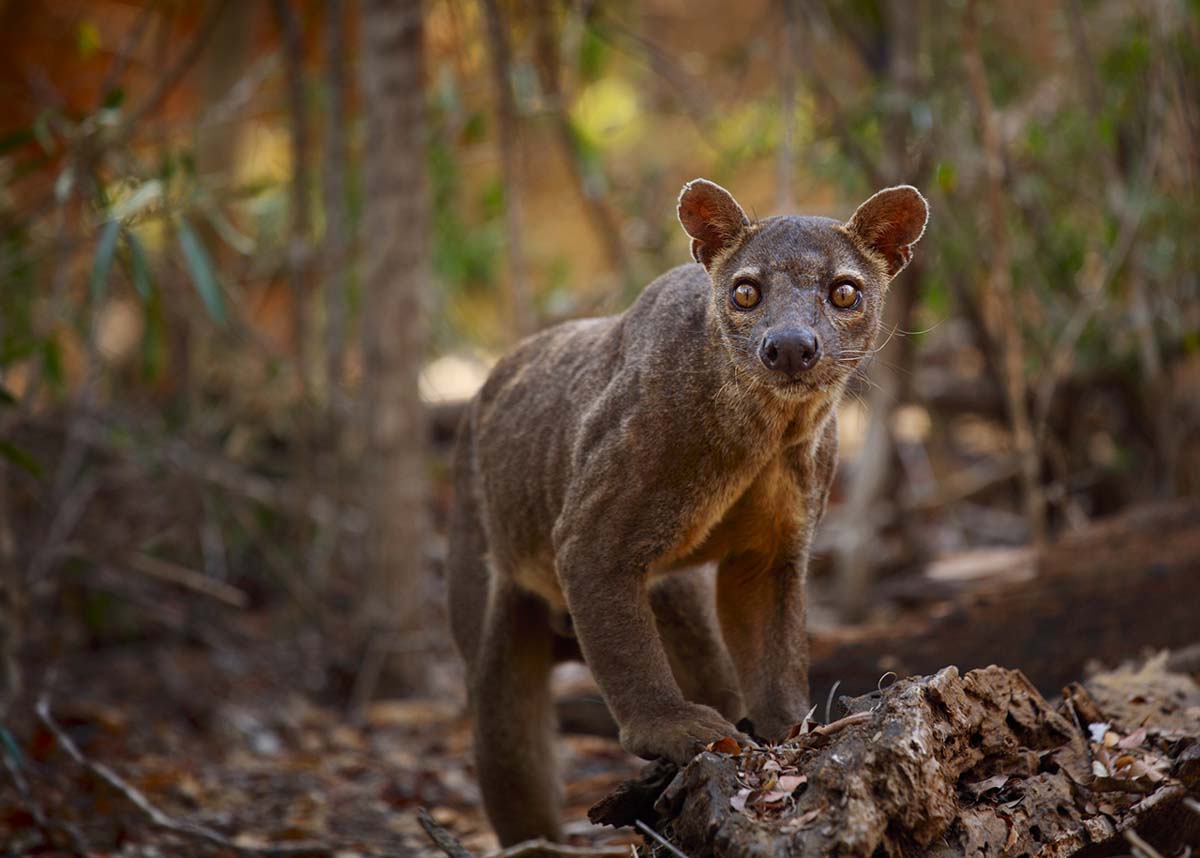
(87,39)
(20,458)
(154,346)
(6,396)
(104,257)
(139,269)
(52,362)
(200,269)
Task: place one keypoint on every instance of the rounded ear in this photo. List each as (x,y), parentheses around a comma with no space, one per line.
(890,223)
(712,217)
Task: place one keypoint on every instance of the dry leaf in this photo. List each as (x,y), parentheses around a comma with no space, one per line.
(1133,740)
(738,802)
(727,745)
(980,787)
(790,783)
(774,796)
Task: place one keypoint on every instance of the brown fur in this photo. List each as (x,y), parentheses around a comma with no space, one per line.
(607,464)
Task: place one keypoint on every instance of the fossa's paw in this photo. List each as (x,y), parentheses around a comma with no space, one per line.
(678,734)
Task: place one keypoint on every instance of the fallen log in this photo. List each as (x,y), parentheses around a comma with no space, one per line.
(977,764)
(1097,595)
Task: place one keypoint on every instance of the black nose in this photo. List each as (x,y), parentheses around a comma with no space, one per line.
(790,351)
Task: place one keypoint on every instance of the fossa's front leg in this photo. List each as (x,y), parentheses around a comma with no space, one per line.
(603,555)
(761,605)
(613,621)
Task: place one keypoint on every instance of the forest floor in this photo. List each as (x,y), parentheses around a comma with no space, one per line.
(220,742)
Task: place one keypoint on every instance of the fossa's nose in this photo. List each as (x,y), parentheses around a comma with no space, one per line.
(790,351)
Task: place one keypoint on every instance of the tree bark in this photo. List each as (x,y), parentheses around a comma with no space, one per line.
(396,275)
(947,765)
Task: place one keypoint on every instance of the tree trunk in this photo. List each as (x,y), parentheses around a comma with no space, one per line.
(395,278)
(874,475)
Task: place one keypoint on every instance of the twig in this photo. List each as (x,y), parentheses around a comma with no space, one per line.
(542,846)
(132,39)
(604,220)
(842,723)
(337,219)
(442,838)
(450,844)
(173,74)
(13,765)
(1140,847)
(829,700)
(154,813)
(667,844)
(516,294)
(197,582)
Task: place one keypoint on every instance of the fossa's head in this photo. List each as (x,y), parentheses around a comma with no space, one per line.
(799,299)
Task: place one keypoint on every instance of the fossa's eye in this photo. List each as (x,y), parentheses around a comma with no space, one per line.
(845,295)
(745,295)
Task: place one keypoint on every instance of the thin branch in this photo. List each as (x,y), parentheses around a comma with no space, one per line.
(786,155)
(662,841)
(539,846)
(604,222)
(842,723)
(442,838)
(544,848)
(337,218)
(999,303)
(173,573)
(128,45)
(174,73)
(517,294)
(1094,297)
(1140,847)
(152,811)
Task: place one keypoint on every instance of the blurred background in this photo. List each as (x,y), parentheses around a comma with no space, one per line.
(255,256)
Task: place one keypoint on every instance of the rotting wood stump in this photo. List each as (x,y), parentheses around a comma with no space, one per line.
(946,765)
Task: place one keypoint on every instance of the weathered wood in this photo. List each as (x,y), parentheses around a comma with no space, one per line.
(950,765)
(1101,594)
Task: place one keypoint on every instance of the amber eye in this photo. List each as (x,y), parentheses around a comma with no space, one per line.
(746,295)
(845,296)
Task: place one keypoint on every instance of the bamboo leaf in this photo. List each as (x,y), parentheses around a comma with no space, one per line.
(200,269)
(20,458)
(139,269)
(104,257)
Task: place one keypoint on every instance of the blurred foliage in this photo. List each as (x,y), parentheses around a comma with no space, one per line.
(146,238)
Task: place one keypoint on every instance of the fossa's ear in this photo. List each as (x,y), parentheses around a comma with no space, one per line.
(890,223)
(712,217)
